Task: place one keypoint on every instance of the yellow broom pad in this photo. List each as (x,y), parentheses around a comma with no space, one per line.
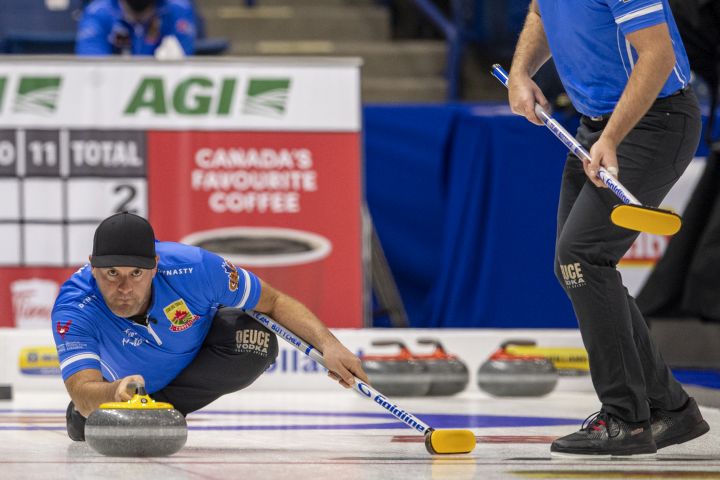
(646,219)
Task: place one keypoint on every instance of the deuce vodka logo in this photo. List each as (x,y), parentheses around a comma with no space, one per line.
(573,275)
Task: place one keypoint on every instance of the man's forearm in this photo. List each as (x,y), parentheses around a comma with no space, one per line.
(301,321)
(341,363)
(532,49)
(88,396)
(647,79)
(656,60)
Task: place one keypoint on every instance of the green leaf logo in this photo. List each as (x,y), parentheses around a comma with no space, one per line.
(37,95)
(267,97)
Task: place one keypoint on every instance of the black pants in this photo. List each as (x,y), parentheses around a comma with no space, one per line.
(628,373)
(236,351)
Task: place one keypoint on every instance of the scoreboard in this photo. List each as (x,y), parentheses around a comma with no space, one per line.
(59,184)
(258,160)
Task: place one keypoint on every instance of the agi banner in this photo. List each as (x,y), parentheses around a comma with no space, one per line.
(258,161)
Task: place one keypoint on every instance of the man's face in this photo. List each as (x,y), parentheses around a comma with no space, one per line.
(126,290)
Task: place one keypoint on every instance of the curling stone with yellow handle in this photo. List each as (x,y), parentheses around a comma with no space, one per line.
(140,427)
(569,361)
(508,375)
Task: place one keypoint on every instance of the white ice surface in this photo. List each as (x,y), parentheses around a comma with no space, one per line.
(235,450)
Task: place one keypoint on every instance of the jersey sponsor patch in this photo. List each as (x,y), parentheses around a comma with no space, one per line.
(63,329)
(179,315)
(573,275)
(252,341)
(233,277)
(176,271)
(70,346)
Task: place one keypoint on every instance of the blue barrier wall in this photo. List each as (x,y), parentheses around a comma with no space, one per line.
(463,199)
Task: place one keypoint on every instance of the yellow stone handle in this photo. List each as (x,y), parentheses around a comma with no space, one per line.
(140,400)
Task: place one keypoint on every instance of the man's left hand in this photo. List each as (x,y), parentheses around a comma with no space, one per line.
(603,153)
(342,365)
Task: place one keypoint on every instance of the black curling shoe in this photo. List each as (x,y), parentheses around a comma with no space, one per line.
(604,435)
(678,426)
(75,424)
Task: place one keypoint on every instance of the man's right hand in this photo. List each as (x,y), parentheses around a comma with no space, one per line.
(523,94)
(122,393)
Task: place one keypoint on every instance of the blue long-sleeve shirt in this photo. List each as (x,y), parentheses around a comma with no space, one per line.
(189,287)
(104,29)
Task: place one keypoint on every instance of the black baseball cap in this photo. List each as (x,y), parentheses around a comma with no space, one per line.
(124,240)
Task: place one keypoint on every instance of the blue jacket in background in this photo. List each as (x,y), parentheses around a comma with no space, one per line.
(104,30)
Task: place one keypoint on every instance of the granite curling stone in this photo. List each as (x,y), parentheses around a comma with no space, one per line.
(396,375)
(140,427)
(507,375)
(448,374)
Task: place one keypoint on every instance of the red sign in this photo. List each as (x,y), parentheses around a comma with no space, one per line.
(27,295)
(646,250)
(284,205)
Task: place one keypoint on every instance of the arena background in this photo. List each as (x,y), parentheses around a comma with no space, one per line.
(315,123)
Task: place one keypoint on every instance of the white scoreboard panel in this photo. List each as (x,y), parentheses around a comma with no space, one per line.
(58,184)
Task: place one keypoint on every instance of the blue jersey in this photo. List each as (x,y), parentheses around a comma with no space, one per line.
(190,285)
(104,30)
(593,57)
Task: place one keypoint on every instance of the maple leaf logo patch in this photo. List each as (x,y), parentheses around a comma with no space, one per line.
(180,316)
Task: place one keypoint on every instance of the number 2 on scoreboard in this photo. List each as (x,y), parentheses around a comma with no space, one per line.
(129,192)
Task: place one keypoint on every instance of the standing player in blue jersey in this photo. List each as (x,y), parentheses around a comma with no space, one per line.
(170,316)
(134,27)
(624,67)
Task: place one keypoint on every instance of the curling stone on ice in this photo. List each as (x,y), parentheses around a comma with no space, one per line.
(396,375)
(448,374)
(508,375)
(140,427)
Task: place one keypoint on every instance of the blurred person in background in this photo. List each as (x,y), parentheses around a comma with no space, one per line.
(135,27)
